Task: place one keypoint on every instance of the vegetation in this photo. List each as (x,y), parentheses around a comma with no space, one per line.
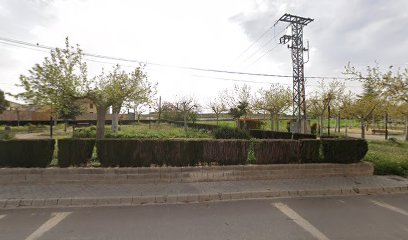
(230,133)
(343,150)
(3,102)
(275,100)
(75,152)
(143,131)
(26,153)
(388,157)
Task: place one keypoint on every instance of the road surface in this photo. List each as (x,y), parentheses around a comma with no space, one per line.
(356,217)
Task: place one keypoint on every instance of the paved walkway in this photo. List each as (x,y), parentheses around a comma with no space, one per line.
(85,194)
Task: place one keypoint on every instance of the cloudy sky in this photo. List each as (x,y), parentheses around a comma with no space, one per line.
(213,34)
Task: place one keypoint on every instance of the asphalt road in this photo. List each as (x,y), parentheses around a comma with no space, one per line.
(356,217)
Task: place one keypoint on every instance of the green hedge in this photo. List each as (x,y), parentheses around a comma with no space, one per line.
(286,151)
(226,152)
(230,133)
(309,150)
(26,153)
(180,152)
(75,152)
(344,150)
(143,153)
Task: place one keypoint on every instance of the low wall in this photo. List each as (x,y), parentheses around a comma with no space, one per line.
(182,174)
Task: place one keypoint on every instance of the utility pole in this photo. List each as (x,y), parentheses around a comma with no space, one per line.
(299,104)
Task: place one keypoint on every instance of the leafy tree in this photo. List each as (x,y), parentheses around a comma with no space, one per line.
(237,100)
(58,78)
(274,100)
(3,102)
(70,110)
(132,89)
(239,111)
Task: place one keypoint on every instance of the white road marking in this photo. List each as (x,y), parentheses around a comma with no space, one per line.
(300,221)
(2,216)
(390,207)
(52,222)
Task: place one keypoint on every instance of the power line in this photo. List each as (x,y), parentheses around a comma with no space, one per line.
(18,42)
(265,44)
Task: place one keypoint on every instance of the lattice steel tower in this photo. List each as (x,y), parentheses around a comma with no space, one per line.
(299,104)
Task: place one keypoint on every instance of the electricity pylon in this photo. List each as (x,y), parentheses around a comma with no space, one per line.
(299,104)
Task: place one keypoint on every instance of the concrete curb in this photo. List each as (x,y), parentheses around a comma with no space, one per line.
(189,198)
(183,174)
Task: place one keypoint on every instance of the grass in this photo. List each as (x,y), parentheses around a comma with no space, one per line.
(388,157)
(145,131)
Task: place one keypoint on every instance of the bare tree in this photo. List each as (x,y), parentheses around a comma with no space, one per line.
(218,106)
(186,105)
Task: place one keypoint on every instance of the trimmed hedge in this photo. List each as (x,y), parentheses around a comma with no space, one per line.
(26,153)
(263,134)
(309,150)
(344,150)
(225,152)
(230,133)
(299,136)
(286,151)
(74,152)
(143,153)
(276,151)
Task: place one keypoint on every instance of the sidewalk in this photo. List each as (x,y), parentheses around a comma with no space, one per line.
(102,194)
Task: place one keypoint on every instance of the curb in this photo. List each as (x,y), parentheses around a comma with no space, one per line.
(192,198)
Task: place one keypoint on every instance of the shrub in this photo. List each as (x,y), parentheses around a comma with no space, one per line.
(249,123)
(74,152)
(225,152)
(277,151)
(313,128)
(6,135)
(344,150)
(263,134)
(143,153)
(309,150)
(26,153)
(89,132)
(230,133)
(303,136)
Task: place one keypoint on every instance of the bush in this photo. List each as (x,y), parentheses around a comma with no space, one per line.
(6,135)
(26,153)
(225,152)
(344,150)
(277,151)
(143,153)
(262,134)
(249,123)
(89,132)
(303,136)
(74,152)
(230,133)
(309,150)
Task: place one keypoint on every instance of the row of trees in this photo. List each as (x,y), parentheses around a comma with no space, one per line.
(62,81)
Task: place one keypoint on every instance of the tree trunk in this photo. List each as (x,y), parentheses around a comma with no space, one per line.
(217,116)
(185,121)
(138,117)
(406,128)
(272,125)
(277,122)
(100,121)
(321,125)
(65,125)
(362,129)
(115,118)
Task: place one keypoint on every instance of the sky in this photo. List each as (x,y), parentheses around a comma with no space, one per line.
(213,34)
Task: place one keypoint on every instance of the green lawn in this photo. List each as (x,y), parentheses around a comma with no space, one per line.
(145,131)
(388,157)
